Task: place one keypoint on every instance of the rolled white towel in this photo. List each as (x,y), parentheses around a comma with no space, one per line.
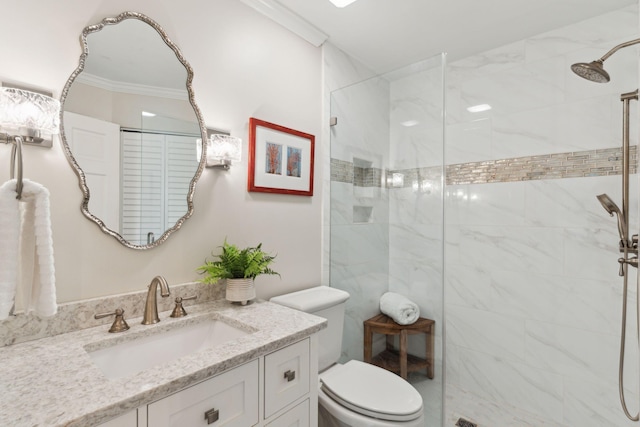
(399,308)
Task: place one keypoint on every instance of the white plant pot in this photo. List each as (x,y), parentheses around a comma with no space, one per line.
(240,290)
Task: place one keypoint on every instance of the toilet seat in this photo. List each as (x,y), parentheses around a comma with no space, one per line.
(372,391)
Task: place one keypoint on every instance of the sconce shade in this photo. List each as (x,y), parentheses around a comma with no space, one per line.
(25,113)
(223,150)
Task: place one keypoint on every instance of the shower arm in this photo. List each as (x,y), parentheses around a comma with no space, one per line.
(617,48)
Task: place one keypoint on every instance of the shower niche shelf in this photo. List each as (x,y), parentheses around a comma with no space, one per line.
(367,179)
(362,214)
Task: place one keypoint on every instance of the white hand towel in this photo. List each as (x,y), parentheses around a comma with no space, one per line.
(9,241)
(399,308)
(31,273)
(39,282)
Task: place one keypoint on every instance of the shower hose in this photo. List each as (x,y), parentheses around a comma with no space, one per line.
(625,281)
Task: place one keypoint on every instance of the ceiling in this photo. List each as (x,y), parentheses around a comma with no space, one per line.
(388,34)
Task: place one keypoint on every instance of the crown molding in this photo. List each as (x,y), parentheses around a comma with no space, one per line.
(292,22)
(131,88)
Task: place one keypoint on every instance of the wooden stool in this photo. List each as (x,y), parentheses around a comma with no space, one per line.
(391,359)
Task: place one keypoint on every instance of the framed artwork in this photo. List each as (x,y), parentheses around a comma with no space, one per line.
(280,159)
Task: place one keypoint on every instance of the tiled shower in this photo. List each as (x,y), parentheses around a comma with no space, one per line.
(489,222)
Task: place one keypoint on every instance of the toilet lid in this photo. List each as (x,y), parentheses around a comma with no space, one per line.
(372,391)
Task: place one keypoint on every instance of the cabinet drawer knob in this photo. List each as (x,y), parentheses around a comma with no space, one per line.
(211,416)
(290,375)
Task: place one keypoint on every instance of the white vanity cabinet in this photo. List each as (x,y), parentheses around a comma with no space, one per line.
(276,390)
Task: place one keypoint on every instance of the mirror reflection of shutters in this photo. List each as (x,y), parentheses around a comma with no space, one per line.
(143,182)
(156,171)
(180,167)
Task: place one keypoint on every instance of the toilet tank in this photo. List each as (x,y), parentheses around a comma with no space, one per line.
(326,302)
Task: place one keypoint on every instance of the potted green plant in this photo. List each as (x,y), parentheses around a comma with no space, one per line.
(238,268)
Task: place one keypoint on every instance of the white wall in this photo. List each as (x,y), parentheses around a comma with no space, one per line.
(245,66)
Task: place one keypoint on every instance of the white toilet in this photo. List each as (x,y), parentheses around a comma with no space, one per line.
(354,394)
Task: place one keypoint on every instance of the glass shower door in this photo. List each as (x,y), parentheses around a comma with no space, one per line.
(387,206)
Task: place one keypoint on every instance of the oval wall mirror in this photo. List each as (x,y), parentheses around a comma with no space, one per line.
(131,129)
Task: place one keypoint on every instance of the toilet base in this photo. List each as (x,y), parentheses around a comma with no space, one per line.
(325,419)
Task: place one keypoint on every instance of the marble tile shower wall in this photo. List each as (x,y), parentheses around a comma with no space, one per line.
(533,299)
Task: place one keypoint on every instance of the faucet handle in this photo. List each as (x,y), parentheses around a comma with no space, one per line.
(119,324)
(178,310)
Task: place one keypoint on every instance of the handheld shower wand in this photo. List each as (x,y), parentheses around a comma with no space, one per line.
(610,206)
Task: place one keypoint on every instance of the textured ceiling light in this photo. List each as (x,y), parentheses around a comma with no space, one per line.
(341,3)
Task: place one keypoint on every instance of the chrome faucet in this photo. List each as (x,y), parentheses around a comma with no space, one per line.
(151,306)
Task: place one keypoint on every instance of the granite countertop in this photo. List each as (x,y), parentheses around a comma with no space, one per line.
(53,381)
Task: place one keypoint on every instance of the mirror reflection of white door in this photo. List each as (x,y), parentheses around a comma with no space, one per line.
(96,147)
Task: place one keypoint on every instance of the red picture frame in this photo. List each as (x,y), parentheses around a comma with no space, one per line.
(280,159)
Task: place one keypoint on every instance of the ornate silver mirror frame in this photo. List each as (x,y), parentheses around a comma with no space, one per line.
(67,149)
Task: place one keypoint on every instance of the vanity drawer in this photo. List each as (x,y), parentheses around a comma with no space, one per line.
(286,376)
(296,417)
(130,419)
(234,394)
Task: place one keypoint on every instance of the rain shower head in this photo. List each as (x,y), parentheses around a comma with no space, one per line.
(593,71)
(611,207)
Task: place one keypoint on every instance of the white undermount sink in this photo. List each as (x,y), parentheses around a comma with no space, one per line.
(130,357)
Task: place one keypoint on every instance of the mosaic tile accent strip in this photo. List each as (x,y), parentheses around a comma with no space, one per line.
(419,178)
(343,171)
(367,177)
(578,164)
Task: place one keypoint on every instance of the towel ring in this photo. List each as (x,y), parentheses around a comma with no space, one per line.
(16,156)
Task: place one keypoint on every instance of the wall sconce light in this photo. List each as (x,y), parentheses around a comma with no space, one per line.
(26,118)
(32,116)
(222,150)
